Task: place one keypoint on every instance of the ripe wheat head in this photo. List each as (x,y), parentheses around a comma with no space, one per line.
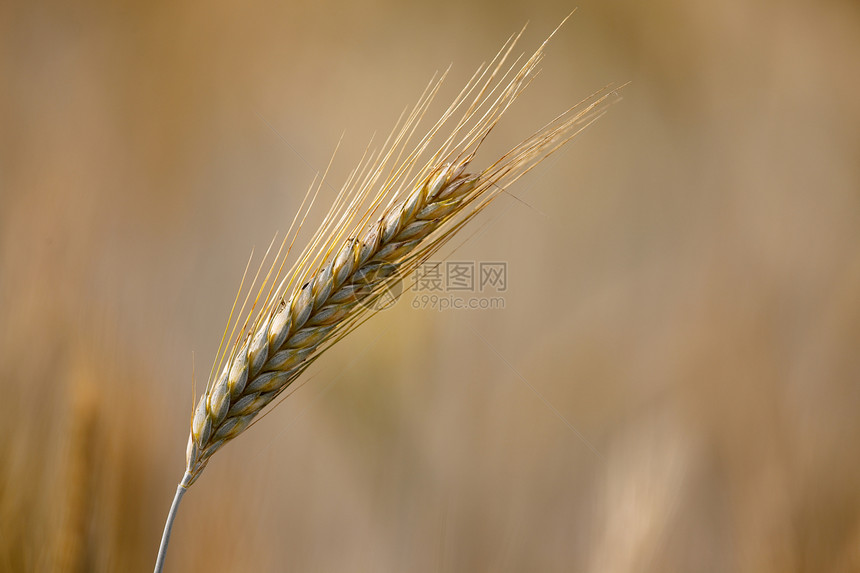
(397,208)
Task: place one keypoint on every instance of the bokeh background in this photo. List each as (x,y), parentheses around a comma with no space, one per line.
(684,292)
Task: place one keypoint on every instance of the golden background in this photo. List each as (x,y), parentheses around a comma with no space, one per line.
(684,291)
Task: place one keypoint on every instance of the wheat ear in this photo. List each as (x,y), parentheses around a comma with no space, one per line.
(394,212)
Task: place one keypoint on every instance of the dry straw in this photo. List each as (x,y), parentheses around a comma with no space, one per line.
(397,208)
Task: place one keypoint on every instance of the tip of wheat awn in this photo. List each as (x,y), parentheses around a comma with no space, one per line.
(396,209)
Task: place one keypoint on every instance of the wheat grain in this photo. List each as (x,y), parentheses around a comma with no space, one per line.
(394,212)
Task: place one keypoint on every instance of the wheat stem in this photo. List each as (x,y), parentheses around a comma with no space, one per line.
(168,525)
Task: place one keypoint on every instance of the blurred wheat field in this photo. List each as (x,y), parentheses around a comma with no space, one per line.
(684,292)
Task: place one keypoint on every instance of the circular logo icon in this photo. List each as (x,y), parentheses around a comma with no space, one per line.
(378,287)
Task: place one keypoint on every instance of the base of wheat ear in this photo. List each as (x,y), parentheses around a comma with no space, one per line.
(397,208)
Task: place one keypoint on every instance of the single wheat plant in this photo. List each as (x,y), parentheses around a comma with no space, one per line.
(397,208)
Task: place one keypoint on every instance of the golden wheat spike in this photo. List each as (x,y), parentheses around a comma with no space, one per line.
(395,211)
